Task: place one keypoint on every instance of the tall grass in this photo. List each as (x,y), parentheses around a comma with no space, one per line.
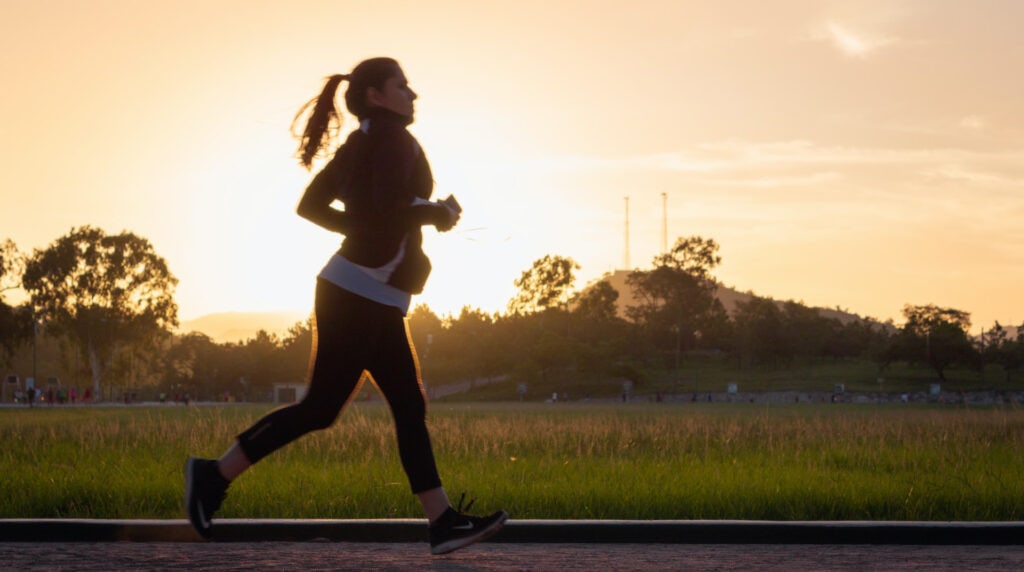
(635,461)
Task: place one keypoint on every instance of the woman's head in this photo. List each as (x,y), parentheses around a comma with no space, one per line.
(374,83)
(378,82)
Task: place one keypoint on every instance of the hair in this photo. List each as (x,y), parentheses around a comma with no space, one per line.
(324,118)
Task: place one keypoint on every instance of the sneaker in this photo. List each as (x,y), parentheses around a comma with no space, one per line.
(454,530)
(205,489)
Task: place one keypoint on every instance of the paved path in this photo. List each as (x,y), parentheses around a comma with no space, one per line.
(399,544)
(527,531)
(501,556)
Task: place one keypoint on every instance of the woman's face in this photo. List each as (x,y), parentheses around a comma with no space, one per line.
(396,95)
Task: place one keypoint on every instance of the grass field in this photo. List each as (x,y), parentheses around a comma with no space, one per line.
(630,461)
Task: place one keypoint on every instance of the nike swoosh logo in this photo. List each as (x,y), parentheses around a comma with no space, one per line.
(467,526)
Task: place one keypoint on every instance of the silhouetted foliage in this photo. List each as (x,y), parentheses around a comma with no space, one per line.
(597,304)
(547,284)
(934,336)
(111,298)
(15,322)
(999,348)
(676,299)
(102,291)
(600,337)
(190,366)
(694,255)
(15,329)
(12,267)
(761,332)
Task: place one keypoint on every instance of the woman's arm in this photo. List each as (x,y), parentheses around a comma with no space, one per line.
(315,204)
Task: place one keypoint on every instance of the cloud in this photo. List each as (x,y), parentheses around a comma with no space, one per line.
(741,155)
(855,44)
(673,161)
(771,182)
(973,123)
(975,176)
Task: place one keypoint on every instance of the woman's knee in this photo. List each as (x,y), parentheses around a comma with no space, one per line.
(412,415)
(315,414)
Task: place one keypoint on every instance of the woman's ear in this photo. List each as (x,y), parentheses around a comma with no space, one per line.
(374,96)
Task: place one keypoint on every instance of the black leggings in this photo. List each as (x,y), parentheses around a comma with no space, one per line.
(353,334)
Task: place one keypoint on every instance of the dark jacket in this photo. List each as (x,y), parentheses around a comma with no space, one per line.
(378,174)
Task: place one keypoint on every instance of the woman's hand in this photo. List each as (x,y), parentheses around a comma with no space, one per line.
(453,218)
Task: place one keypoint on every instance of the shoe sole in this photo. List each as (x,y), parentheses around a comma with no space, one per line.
(190,466)
(452,545)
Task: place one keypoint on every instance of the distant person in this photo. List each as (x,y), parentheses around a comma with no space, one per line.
(362,296)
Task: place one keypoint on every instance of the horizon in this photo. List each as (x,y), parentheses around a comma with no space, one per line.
(239,327)
(862,154)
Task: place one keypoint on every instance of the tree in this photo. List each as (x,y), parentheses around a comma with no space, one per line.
(760,331)
(597,303)
(694,255)
(15,322)
(15,328)
(295,349)
(921,319)
(424,325)
(936,336)
(547,284)
(470,344)
(808,333)
(190,366)
(101,291)
(998,347)
(264,366)
(600,335)
(677,298)
(12,266)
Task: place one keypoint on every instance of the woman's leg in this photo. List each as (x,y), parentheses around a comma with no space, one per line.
(339,348)
(233,462)
(434,502)
(395,369)
(340,344)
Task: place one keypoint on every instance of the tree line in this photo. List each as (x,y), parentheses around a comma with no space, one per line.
(106,303)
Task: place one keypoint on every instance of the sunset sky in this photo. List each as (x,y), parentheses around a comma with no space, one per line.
(863,154)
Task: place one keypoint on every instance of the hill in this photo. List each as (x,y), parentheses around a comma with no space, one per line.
(234,327)
(729,297)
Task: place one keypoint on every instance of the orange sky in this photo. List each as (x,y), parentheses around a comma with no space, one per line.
(859,153)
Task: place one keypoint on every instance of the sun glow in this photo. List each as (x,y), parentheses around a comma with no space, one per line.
(868,181)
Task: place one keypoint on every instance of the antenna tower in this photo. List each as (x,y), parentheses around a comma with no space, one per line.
(664,222)
(627,267)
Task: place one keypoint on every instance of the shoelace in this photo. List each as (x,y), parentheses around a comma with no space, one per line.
(462,509)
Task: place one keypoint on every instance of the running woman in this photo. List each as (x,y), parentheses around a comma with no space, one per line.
(363,293)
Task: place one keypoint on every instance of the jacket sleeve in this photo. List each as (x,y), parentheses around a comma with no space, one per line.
(315,204)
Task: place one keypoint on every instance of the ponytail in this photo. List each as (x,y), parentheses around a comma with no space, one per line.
(323,120)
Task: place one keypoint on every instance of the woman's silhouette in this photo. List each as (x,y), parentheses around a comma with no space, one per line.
(384,180)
